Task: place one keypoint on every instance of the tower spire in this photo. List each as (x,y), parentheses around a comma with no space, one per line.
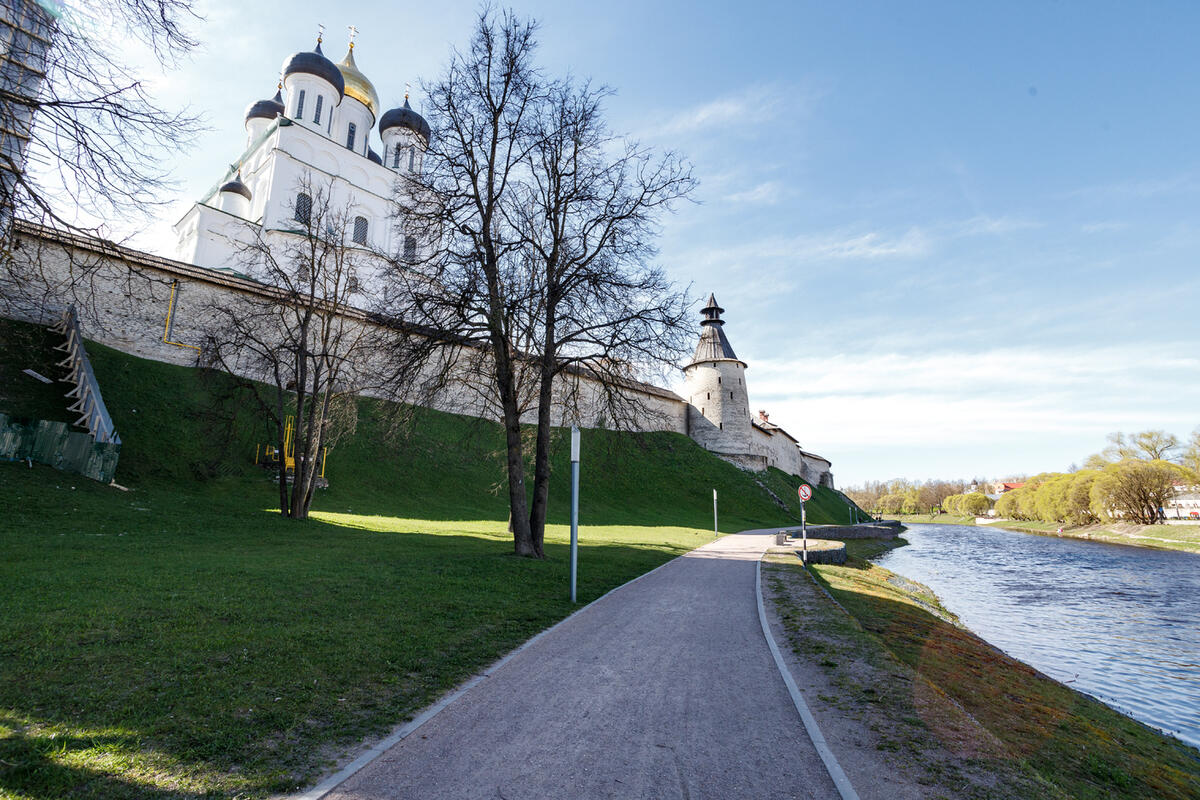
(712,312)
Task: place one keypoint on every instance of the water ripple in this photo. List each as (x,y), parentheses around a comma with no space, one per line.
(1120,623)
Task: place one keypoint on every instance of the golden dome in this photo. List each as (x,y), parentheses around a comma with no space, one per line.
(357,85)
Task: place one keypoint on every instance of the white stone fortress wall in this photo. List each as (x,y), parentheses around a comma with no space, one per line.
(123,298)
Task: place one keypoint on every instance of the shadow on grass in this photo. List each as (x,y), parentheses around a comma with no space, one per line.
(242,647)
(40,766)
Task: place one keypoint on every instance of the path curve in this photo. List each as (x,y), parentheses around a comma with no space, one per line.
(664,688)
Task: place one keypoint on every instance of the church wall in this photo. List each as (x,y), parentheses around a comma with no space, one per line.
(127,303)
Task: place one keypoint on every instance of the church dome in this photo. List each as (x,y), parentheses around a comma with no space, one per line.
(266,109)
(357,85)
(237,187)
(405,117)
(315,63)
(373,156)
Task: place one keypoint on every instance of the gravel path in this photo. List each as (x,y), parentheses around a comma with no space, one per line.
(663,689)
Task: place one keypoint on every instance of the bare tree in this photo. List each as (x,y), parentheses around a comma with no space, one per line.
(543,223)
(74,111)
(82,140)
(587,214)
(475,284)
(299,345)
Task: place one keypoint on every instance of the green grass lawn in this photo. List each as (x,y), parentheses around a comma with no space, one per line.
(933,519)
(181,639)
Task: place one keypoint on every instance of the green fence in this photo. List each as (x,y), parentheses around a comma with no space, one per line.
(54,443)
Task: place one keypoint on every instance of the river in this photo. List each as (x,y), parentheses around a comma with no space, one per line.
(1119,623)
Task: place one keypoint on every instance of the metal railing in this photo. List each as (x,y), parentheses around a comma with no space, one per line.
(88,401)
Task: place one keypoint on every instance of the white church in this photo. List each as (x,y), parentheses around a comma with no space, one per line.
(319,125)
(316,130)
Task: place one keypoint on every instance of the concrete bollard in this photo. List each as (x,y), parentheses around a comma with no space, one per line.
(781,539)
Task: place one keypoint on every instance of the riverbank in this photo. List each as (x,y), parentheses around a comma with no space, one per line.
(960,718)
(1162,537)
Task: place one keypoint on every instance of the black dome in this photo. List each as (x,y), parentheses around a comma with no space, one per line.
(265,109)
(315,63)
(237,186)
(404,117)
(373,156)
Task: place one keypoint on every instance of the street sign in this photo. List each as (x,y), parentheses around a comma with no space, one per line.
(805,492)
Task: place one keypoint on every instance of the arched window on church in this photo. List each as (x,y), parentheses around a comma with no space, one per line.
(300,105)
(350,131)
(303,209)
(396,158)
(360,230)
(317,113)
(412,158)
(410,248)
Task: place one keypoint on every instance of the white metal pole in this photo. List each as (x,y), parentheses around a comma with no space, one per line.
(574,507)
(803,533)
(716,531)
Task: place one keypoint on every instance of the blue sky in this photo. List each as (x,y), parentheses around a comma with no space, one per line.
(952,240)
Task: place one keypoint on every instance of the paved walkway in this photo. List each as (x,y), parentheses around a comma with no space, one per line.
(663,689)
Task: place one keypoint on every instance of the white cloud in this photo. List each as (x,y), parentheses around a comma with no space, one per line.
(949,400)
(767,193)
(749,107)
(832,246)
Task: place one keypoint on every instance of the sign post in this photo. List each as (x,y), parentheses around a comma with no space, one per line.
(716,532)
(805,493)
(574,507)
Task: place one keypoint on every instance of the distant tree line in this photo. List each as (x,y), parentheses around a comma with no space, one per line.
(1134,477)
(901,496)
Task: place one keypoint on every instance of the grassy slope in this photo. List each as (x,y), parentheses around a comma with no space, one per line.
(1078,745)
(181,639)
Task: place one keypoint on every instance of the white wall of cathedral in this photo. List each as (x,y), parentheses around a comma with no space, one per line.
(403,150)
(310,101)
(352,112)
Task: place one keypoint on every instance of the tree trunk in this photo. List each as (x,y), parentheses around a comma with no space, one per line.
(541,460)
(523,543)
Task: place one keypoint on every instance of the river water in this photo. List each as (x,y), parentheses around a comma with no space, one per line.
(1119,623)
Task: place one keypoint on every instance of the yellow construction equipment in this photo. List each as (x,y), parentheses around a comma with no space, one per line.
(270,455)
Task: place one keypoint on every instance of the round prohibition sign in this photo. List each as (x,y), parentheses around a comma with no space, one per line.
(805,492)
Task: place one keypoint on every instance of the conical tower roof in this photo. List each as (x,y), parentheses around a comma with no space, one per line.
(713,345)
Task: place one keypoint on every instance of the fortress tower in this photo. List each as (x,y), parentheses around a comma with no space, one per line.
(715,388)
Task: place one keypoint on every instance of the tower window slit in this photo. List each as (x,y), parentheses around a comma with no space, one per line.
(300,105)
(396,158)
(350,131)
(317,113)
(412,158)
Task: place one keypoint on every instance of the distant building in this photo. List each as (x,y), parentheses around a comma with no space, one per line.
(26,28)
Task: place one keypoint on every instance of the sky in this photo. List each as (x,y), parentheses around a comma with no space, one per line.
(953,240)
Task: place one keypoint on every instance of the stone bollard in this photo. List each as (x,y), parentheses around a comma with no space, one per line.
(781,539)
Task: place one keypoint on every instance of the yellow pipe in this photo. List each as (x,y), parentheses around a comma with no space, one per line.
(167,326)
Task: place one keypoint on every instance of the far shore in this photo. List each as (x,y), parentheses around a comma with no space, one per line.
(1162,537)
